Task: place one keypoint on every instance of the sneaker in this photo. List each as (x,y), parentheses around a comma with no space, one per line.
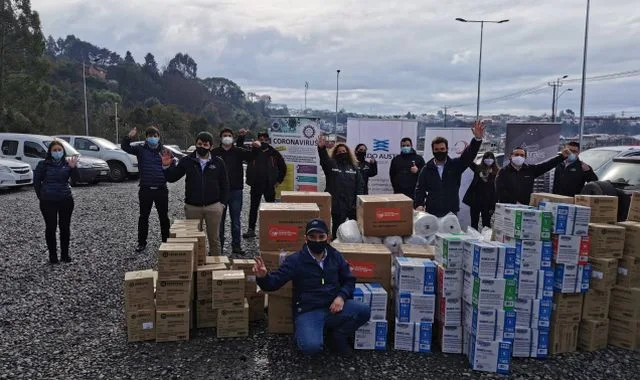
(249,234)
(141,247)
(237,250)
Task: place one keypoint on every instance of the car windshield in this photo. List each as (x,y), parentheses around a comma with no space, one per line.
(623,172)
(105,143)
(598,157)
(67,148)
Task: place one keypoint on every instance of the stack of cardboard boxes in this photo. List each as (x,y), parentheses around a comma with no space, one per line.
(140,307)
(373,334)
(228,295)
(255,298)
(280,315)
(449,283)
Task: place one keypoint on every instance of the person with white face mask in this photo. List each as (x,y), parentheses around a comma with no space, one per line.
(514,183)
(571,175)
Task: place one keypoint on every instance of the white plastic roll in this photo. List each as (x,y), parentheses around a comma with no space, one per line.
(393,243)
(372,240)
(449,224)
(424,224)
(348,232)
(416,240)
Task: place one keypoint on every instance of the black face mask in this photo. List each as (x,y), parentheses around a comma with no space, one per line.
(341,157)
(264,145)
(361,156)
(202,152)
(317,246)
(440,156)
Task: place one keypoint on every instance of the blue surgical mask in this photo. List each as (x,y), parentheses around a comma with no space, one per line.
(406,150)
(153,140)
(572,158)
(57,155)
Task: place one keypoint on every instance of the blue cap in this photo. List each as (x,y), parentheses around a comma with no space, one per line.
(317,225)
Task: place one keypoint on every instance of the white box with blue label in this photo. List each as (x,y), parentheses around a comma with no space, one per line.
(493,324)
(533,313)
(450,282)
(527,224)
(490,356)
(449,250)
(415,275)
(562,216)
(415,307)
(581,221)
(372,336)
(415,337)
(374,295)
(489,259)
(532,254)
(467,287)
(536,284)
(572,278)
(492,293)
(531,343)
(449,338)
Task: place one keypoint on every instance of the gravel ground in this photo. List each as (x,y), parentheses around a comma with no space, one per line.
(66,321)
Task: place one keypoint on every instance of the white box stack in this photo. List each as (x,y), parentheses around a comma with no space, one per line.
(373,334)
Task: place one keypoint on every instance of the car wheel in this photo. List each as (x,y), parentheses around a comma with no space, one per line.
(117,171)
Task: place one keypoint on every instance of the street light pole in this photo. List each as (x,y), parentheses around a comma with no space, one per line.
(306,88)
(117,136)
(584,72)
(86,109)
(562,93)
(337,92)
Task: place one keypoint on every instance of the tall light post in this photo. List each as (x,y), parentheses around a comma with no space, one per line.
(584,72)
(481,22)
(306,88)
(558,98)
(86,108)
(555,84)
(117,135)
(337,92)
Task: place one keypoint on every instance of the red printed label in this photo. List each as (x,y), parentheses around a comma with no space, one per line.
(362,269)
(283,233)
(311,188)
(388,214)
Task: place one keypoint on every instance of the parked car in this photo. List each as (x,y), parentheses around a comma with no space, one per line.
(14,173)
(176,153)
(121,164)
(600,158)
(32,149)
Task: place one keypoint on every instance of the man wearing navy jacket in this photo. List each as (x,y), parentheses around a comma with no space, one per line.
(322,292)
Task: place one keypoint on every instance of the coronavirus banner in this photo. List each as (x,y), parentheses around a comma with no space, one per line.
(382,138)
(295,138)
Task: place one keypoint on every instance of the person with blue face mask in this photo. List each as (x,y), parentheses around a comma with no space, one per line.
(51,183)
(323,287)
(153,184)
(405,168)
(571,175)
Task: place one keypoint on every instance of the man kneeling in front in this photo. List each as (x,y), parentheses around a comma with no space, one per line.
(322,292)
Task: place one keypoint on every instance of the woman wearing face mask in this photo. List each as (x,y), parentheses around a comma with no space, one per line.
(367,169)
(51,183)
(344,182)
(481,195)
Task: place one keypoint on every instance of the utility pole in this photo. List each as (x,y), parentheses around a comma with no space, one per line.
(117,136)
(86,109)
(306,88)
(584,72)
(337,91)
(445,115)
(555,84)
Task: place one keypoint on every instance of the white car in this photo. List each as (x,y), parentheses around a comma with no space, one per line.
(121,164)
(601,158)
(14,173)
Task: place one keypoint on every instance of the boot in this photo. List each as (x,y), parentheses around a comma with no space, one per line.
(237,250)
(53,257)
(64,257)
(249,234)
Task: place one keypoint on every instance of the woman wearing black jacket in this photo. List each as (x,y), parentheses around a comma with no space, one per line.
(367,169)
(51,183)
(481,196)
(344,182)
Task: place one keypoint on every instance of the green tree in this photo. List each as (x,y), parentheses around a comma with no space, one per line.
(128,59)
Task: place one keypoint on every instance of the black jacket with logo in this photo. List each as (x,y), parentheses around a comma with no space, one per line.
(569,179)
(233,159)
(202,187)
(266,168)
(516,186)
(344,183)
(402,180)
(367,170)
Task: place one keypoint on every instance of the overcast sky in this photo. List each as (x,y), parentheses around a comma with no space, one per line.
(395,56)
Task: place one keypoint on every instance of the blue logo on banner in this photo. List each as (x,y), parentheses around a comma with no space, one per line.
(380,145)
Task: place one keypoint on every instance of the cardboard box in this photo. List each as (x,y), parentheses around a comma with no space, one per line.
(280,315)
(450,250)
(625,304)
(246,265)
(490,356)
(201,250)
(449,338)
(489,259)
(233,323)
(572,278)
(595,305)
(628,272)
(192,241)
(562,217)
(418,251)
(138,290)
(282,225)
(563,337)
(536,198)
(385,215)
(604,273)
(228,289)
(415,337)
(175,261)
(273,260)
(604,208)
(581,221)
(414,307)
(499,214)
(172,325)
(375,297)
(322,200)
(567,309)
(536,284)
(571,250)
(527,224)
(532,254)
(634,207)
(497,294)
(449,311)
(449,282)
(624,334)
(491,324)
(256,307)
(204,284)
(218,260)
(607,241)
(141,325)
(593,335)
(531,343)
(372,336)
(631,238)
(368,262)
(533,313)
(206,315)
(467,287)
(173,294)
(415,275)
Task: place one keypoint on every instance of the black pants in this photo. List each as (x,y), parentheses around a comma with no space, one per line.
(486,216)
(57,213)
(257,191)
(148,197)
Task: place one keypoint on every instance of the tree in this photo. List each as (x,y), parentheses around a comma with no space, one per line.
(184,65)
(51,47)
(150,66)
(128,59)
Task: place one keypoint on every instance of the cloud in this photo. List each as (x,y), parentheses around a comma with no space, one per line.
(462,57)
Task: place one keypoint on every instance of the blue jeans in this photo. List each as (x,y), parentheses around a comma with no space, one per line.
(235,208)
(310,326)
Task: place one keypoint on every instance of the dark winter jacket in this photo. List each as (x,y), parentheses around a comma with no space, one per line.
(570,179)
(233,159)
(402,180)
(202,188)
(267,168)
(149,163)
(51,180)
(368,170)
(313,287)
(482,190)
(344,183)
(515,186)
(440,196)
